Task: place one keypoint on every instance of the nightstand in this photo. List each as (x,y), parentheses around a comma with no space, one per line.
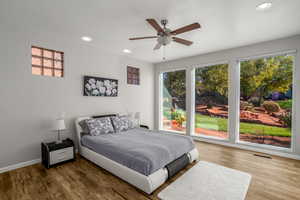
(56,153)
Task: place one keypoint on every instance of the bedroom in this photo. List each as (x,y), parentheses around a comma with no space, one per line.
(169,90)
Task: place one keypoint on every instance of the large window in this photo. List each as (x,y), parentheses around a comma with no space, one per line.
(173,101)
(211,101)
(266,100)
(247,102)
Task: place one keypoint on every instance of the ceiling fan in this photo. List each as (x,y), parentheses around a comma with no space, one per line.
(165,35)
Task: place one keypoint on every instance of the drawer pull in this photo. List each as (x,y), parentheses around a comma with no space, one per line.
(62,152)
(62,158)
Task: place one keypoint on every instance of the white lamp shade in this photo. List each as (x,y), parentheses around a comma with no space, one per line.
(59,124)
(131,115)
(137,115)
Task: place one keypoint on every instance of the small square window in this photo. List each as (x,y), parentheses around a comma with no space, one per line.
(133,75)
(47,62)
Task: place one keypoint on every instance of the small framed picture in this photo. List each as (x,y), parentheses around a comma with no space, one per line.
(133,75)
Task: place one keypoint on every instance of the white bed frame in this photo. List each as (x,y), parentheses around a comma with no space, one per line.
(146,183)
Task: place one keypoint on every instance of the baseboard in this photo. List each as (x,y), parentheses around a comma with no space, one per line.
(249,148)
(22,164)
(19,165)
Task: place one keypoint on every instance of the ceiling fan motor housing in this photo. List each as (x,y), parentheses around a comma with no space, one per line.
(164,40)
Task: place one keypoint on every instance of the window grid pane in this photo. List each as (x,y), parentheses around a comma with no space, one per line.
(266,95)
(36,70)
(36,51)
(174,101)
(211,101)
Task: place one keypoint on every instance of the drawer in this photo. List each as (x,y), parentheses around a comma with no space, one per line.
(61,155)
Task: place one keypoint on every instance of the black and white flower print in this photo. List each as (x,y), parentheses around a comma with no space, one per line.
(100,87)
(99,126)
(122,123)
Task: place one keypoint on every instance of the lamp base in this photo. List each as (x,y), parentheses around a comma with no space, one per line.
(59,140)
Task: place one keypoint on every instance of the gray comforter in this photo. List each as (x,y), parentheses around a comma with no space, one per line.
(140,149)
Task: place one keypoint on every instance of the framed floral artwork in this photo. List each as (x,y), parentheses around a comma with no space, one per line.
(96,86)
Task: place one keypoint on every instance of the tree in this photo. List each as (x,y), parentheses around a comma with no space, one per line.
(212,79)
(260,77)
(174,88)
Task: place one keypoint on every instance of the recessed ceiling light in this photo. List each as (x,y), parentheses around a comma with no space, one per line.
(126,51)
(264,6)
(86,38)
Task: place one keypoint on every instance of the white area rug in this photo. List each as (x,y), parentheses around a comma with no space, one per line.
(208,181)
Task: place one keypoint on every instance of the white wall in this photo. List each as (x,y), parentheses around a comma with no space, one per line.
(28,103)
(231,56)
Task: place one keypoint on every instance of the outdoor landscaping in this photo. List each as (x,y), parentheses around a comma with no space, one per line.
(265,101)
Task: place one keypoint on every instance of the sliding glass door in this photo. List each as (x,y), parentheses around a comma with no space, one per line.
(173,93)
(211,101)
(266,93)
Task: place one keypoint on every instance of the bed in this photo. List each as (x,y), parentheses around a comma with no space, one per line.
(133,155)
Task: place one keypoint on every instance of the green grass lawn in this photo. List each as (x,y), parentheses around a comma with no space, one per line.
(221,124)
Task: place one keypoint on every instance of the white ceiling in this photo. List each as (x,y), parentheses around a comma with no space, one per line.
(225,23)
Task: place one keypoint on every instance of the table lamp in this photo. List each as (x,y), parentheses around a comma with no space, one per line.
(137,117)
(58,126)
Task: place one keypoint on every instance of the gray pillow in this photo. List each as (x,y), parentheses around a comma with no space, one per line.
(122,123)
(99,126)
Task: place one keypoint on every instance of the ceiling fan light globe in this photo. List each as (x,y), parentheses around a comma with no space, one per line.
(164,40)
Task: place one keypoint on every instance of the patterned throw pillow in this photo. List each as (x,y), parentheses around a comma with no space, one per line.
(99,126)
(84,127)
(122,123)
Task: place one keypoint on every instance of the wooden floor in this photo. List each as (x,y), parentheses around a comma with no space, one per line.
(272,179)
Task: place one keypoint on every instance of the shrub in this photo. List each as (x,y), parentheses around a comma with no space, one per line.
(209,105)
(255,101)
(271,106)
(178,117)
(287,119)
(175,114)
(245,105)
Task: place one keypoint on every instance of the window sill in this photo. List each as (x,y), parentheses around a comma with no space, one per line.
(209,137)
(172,132)
(277,151)
(264,146)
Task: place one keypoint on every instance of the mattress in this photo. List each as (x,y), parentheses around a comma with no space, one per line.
(140,149)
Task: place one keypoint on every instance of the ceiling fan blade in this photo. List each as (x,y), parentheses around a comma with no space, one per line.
(186,28)
(157,46)
(182,41)
(140,38)
(155,25)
